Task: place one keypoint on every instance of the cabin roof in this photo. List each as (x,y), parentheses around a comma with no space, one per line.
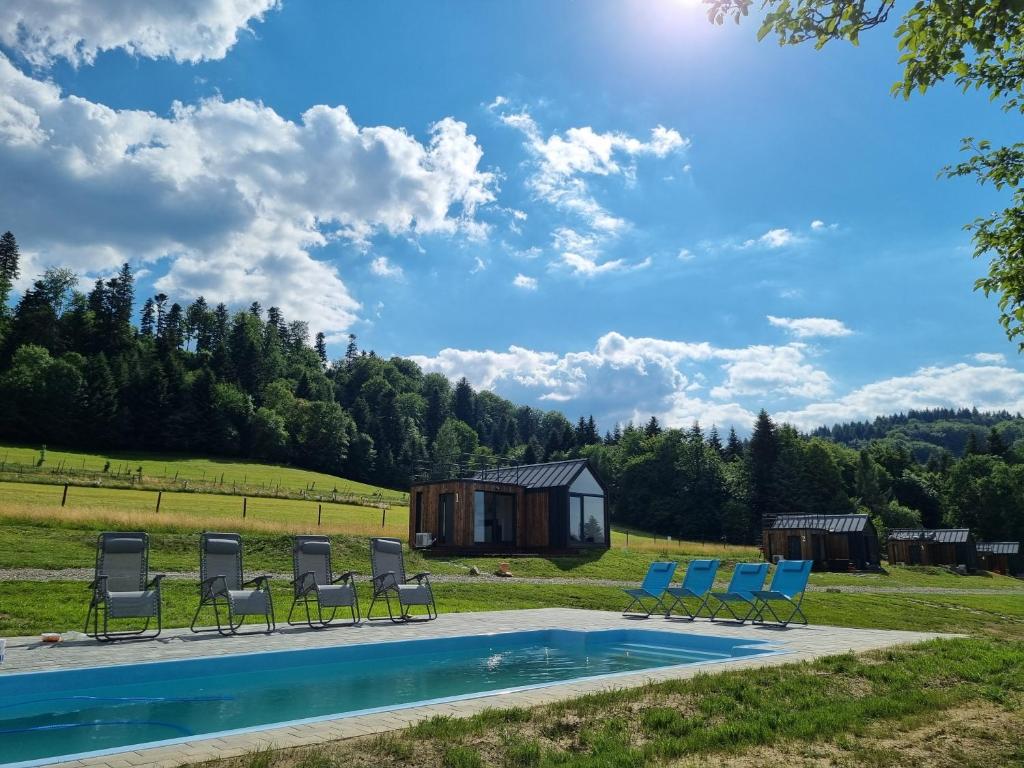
(999,547)
(552,474)
(938,535)
(830,523)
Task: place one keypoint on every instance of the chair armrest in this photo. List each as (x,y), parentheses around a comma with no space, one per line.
(154,583)
(99,584)
(346,576)
(206,585)
(258,582)
(301,582)
(419,577)
(382,576)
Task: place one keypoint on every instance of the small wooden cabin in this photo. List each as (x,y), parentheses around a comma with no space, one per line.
(1000,557)
(558,506)
(939,546)
(833,542)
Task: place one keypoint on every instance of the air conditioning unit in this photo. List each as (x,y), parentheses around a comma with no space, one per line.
(424,540)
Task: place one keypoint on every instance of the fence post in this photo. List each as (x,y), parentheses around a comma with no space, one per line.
(319,510)
(159,496)
(245,503)
(383,514)
(627,539)
(64,498)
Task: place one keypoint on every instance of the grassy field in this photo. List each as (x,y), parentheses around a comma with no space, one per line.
(158,468)
(947,703)
(52,538)
(27,608)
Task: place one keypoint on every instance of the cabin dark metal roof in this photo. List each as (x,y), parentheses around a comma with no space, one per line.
(938,535)
(999,547)
(553,474)
(830,523)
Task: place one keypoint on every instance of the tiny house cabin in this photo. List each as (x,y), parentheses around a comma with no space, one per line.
(1000,557)
(833,542)
(940,546)
(558,506)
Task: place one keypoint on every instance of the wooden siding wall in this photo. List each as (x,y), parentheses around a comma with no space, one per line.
(536,519)
(932,553)
(464,491)
(823,547)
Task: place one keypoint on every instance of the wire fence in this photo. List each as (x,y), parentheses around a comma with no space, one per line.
(124,475)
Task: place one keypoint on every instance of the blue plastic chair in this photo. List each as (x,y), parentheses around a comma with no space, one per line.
(747,578)
(697,584)
(658,577)
(789,581)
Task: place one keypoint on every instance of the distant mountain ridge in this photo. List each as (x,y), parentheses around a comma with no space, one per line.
(925,432)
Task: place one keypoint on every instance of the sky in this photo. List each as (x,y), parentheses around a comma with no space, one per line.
(607,207)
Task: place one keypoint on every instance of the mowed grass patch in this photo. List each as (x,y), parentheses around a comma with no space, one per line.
(31,607)
(192,468)
(835,706)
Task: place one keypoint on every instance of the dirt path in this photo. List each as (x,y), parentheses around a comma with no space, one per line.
(86,574)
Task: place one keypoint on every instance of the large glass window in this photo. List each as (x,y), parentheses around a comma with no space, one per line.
(494,518)
(586,519)
(446,518)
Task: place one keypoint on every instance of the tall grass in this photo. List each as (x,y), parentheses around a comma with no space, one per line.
(97,518)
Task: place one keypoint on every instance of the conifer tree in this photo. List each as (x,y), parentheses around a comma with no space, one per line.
(996,445)
(652,428)
(320,345)
(9,270)
(714,441)
(733,446)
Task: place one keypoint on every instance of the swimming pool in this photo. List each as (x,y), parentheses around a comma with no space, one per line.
(73,712)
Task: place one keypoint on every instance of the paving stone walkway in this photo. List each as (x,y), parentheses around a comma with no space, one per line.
(796,643)
(86,574)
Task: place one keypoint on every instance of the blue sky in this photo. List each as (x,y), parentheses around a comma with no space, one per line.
(608,207)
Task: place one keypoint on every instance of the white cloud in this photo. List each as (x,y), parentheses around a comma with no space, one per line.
(565,163)
(809,327)
(588,267)
(773,238)
(382,267)
(525,282)
(78,30)
(986,387)
(232,194)
(685,254)
(626,377)
(990,357)
(767,371)
(820,226)
(479,265)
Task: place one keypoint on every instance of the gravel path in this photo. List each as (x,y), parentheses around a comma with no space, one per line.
(86,574)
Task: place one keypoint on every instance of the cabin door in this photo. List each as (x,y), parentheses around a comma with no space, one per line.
(916,555)
(794,550)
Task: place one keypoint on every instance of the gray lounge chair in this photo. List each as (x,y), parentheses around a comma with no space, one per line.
(122,588)
(222,585)
(389,582)
(314,582)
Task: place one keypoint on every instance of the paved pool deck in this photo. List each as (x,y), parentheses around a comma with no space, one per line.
(797,643)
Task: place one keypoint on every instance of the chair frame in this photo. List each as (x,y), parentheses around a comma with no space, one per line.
(306,590)
(639,594)
(725,599)
(766,597)
(682,592)
(382,589)
(99,602)
(217,597)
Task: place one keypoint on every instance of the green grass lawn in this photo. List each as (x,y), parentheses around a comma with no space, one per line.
(53,542)
(155,466)
(31,607)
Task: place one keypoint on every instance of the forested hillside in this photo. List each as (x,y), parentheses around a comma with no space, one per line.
(931,431)
(76,369)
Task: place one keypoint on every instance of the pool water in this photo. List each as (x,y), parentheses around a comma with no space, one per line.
(100,709)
